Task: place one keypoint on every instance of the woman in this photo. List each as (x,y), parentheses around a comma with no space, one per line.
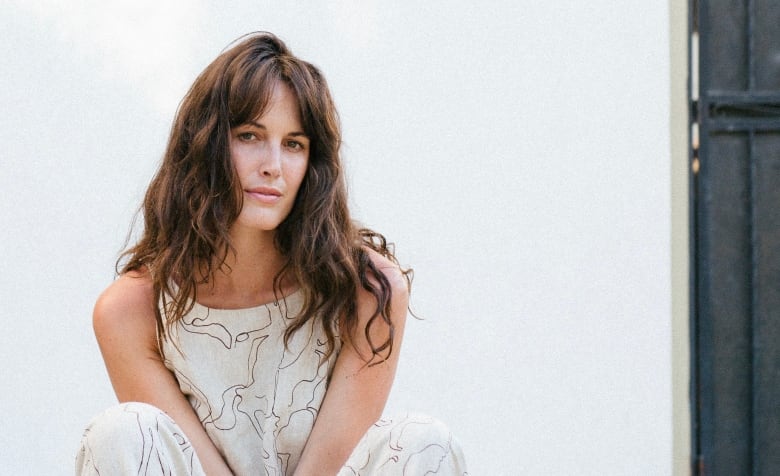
(254,329)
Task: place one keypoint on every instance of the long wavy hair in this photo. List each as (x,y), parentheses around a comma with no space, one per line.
(195,197)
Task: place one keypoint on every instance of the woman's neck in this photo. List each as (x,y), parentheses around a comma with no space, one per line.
(246,278)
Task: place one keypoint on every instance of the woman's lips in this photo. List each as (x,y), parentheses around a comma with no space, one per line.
(268,195)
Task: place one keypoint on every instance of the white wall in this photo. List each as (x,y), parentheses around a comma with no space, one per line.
(517,152)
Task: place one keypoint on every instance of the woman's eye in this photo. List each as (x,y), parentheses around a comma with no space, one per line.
(294,145)
(246,136)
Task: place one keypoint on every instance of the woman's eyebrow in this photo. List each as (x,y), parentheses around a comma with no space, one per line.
(256,124)
(294,134)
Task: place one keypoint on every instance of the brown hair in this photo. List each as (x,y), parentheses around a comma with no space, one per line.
(194,198)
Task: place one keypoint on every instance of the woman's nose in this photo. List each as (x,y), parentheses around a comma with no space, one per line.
(271,165)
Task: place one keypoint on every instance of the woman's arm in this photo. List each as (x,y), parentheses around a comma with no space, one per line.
(126,330)
(357,393)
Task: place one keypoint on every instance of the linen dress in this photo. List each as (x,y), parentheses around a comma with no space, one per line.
(257,401)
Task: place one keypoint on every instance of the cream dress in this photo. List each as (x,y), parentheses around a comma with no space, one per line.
(257,401)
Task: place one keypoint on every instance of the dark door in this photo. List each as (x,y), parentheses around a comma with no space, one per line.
(735,205)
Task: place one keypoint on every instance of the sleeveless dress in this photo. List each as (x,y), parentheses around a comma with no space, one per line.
(257,401)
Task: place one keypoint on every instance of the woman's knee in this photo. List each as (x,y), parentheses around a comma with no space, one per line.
(124,422)
(428,444)
(128,436)
(407,444)
(415,428)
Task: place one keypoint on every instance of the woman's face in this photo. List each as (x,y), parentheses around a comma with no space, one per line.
(270,154)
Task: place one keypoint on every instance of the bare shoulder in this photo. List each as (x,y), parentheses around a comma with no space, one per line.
(126,307)
(399,287)
(391,271)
